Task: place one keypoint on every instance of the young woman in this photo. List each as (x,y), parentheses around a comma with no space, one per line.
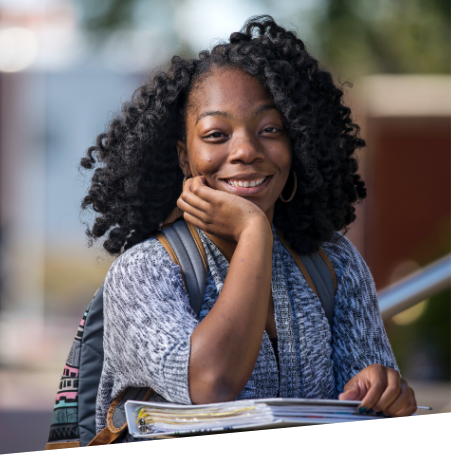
(260,136)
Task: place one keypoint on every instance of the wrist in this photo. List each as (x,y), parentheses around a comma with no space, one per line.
(258,228)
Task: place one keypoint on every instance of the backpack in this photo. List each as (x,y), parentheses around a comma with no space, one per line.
(73,423)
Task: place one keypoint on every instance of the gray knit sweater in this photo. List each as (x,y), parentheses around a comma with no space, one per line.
(149,322)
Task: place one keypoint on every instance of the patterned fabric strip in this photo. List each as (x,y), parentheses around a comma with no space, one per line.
(64,426)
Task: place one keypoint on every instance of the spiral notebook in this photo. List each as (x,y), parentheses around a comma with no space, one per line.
(154,419)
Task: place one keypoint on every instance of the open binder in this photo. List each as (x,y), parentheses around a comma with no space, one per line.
(154,419)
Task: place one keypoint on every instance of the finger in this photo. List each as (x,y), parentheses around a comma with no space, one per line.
(391,392)
(200,179)
(195,201)
(377,382)
(198,222)
(351,392)
(401,401)
(410,408)
(194,211)
(201,190)
(197,182)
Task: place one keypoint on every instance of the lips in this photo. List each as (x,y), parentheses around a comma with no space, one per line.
(246,183)
(246,186)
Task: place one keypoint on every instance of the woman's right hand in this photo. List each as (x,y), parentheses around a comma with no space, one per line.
(226,343)
(219,213)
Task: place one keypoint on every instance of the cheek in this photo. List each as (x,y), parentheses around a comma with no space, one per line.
(204,161)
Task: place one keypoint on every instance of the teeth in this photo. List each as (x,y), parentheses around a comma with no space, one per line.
(246,183)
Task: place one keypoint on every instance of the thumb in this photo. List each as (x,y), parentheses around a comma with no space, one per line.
(351,393)
(198,181)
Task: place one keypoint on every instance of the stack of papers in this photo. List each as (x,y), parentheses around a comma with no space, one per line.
(152,419)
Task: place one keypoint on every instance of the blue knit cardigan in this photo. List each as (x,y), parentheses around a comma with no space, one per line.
(149,322)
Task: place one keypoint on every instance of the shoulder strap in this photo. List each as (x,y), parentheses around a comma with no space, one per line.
(323,279)
(320,275)
(183,244)
(91,363)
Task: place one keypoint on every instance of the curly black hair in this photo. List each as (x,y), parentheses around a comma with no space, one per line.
(137,179)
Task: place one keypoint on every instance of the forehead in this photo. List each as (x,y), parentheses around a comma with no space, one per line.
(227,90)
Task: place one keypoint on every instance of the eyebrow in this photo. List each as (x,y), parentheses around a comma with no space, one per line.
(212,114)
(266,107)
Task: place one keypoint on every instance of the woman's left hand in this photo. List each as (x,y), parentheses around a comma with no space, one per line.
(380,389)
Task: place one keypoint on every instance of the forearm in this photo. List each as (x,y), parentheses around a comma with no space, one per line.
(226,344)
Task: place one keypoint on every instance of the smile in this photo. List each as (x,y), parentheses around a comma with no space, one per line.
(247,186)
(246,183)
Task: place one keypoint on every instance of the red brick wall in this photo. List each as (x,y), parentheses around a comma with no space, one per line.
(408,177)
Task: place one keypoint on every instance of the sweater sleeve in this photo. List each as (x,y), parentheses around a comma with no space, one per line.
(148,323)
(358,333)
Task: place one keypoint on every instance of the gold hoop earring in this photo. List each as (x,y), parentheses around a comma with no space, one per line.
(294,189)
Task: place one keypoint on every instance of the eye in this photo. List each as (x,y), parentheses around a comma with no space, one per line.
(271,129)
(215,135)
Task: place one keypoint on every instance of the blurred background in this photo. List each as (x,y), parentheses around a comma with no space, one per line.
(66,66)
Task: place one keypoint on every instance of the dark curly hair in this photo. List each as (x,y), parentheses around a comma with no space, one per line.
(137,179)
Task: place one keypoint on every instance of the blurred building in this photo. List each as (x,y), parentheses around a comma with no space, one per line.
(404,223)
(406,216)
(56,95)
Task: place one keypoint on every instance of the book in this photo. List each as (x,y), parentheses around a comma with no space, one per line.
(154,419)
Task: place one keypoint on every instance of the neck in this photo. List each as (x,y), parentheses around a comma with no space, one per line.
(228,248)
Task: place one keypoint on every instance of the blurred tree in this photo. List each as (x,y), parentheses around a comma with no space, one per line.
(353,36)
(106,16)
(385,36)
(110,18)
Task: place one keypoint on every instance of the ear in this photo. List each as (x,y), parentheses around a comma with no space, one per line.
(183,158)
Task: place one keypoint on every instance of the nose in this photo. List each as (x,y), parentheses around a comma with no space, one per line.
(245,149)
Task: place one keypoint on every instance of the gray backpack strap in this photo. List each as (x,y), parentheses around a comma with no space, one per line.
(185,248)
(324,282)
(183,244)
(320,275)
(91,363)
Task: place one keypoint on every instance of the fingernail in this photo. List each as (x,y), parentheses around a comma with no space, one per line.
(369,411)
(362,410)
(380,414)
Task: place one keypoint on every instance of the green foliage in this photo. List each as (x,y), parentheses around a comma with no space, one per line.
(385,36)
(106,16)
(356,37)
(423,348)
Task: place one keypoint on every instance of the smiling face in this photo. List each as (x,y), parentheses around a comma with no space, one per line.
(236,138)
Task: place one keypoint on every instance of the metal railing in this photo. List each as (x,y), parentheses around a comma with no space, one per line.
(415,288)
